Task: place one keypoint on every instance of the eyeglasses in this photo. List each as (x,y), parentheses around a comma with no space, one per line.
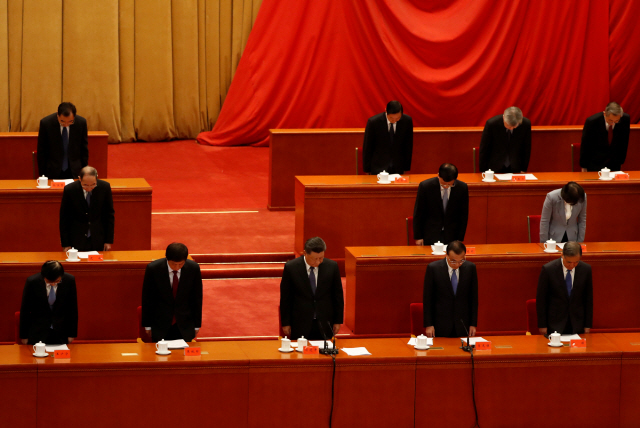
(456,262)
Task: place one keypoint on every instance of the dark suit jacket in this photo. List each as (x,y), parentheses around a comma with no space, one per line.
(495,145)
(76,217)
(159,306)
(429,216)
(297,301)
(50,150)
(378,151)
(36,317)
(442,309)
(595,151)
(553,304)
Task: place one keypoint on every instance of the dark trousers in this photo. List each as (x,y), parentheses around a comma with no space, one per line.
(173,333)
(90,244)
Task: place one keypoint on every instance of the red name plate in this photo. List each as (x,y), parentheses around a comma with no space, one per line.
(57,185)
(584,247)
(471,250)
(311,350)
(578,343)
(400,180)
(96,257)
(62,353)
(622,176)
(518,178)
(192,352)
(483,346)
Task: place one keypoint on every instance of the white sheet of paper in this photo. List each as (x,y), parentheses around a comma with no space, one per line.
(569,337)
(473,340)
(412,341)
(356,351)
(65,181)
(54,348)
(394,177)
(320,344)
(508,176)
(86,254)
(560,244)
(177,344)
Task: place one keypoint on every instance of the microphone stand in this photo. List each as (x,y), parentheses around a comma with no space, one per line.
(326,350)
(469,348)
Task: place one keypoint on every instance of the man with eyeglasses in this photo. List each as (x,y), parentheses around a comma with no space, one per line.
(87,217)
(63,143)
(49,310)
(441,210)
(564,214)
(450,296)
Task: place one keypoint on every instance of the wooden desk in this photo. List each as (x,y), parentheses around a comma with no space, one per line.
(30,217)
(629,344)
(16,150)
(383,281)
(18,383)
(300,152)
(355,211)
(102,315)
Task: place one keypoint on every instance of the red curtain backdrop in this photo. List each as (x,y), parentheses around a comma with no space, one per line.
(335,63)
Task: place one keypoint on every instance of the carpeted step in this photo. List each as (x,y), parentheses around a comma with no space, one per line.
(241,270)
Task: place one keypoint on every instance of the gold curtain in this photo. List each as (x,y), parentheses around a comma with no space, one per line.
(142,70)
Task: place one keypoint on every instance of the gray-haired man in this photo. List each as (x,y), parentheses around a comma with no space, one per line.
(506,143)
(605,138)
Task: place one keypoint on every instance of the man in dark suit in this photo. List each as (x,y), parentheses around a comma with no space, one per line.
(311,300)
(86,213)
(63,143)
(564,301)
(49,310)
(605,138)
(172,296)
(450,296)
(442,208)
(388,141)
(506,143)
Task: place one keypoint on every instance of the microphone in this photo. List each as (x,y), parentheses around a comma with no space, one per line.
(335,350)
(326,350)
(468,347)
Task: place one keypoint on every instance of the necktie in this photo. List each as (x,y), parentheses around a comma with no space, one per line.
(568,281)
(454,281)
(89,204)
(312,280)
(610,134)
(52,297)
(507,161)
(174,286)
(391,133)
(65,148)
(445,199)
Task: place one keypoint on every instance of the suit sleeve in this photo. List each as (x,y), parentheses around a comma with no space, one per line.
(582,221)
(474,298)
(541,298)
(427,297)
(368,146)
(71,318)
(286,298)
(420,212)
(25,311)
(545,218)
(196,298)
(408,146)
(588,301)
(84,146)
(464,213)
(526,147)
(43,149)
(148,298)
(65,232)
(337,297)
(485,148)
(621,148)
(108,216)
(587,143)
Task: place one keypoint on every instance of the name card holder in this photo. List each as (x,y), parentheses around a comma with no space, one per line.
(621,177)
(578,343)
(518,178)
(471,250)
(483,346)
(311,350)
(62,353)
(58,185)
(192,352)
(584,247)
(96,257)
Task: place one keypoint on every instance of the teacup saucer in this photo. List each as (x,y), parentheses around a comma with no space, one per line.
(72,260)
(43,187)
(384,182)
(40,355)
(421,349)
(605,179)
(285,351)
(555,346)
(489,181)
(438,254)
(551,251)
(163,353)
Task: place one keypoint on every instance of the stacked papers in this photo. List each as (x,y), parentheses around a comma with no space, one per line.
(569,337)
(508,176)
(320,344)
(86,254)
(54,348)
(356,351)
(473,340)
(177,344)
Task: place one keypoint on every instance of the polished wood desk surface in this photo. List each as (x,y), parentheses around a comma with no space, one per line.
(29,135)
(472,179)
(116,183)
(116,256)
(424,129)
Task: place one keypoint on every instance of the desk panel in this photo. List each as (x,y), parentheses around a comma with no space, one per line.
(30,217)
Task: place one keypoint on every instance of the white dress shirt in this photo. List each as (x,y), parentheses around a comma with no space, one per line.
(568,209)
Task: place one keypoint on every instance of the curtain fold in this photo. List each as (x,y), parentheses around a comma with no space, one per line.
(141,70)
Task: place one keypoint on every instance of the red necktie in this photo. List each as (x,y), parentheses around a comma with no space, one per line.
(610,133)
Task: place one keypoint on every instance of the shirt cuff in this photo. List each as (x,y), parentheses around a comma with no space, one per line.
(148,328)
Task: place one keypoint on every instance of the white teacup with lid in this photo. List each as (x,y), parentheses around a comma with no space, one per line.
(302,342)
(550,246)
(285,345)
(554,339)
(487,175)
(72,254)
(438,247)
(422,342)
(39,350)
(43,181)
(604,173)
(383,177)
(162,347)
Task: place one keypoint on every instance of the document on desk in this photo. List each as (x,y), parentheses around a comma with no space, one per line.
(569,337)
(177,344)
(86,254)
(65,181)
(473,340)
(412,341)
(320,344)
(54,348)
(356,351)
(507,177)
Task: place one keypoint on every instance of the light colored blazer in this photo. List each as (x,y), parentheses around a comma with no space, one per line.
(553,223)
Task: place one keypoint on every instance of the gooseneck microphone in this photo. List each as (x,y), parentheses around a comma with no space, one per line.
(466,347)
